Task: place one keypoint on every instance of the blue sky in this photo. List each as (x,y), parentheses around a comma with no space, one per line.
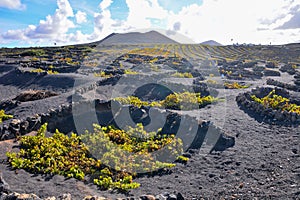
(43,23)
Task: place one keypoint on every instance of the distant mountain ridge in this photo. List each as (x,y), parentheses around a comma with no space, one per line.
(151,37)
(211,43)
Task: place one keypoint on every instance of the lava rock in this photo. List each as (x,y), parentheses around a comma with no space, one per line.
(4,186)
(147,197)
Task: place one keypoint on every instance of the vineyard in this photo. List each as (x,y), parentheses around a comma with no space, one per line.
(131,119)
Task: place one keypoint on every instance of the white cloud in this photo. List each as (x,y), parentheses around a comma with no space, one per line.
(54,27)
(74,38)
(102,21)
(140,13)
(105,4)
(104,24)
(254,21)
(13,35)
(80,17)
(56,24)
(12,4)
(223,20)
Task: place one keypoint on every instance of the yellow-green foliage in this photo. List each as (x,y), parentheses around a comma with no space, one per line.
(187,100)
(102,74)
(52,72)
(183,101)
(132,100)
(182,75)
(68,60)
(182,159)
(39,70)
(58,154)
(126,151)
(130,72)
(235,85)
(35,59)
(212,82)
(277,102)
(4,116)
(131,150)
(294,66)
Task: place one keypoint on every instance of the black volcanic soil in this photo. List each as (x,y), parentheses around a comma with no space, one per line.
(263,164)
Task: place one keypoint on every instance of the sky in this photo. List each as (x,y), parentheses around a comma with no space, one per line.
(63,22)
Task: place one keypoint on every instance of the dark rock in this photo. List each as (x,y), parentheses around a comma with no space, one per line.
(4,186)
(284,85)
(14,127)
(28,197)
(160,197)
(152,92)
(258,68)
(224,142)
(34,123)
(188,155)
(33,95)
(65,197)
(288,68)
(11,196)
(17,196)
(270,65)
(147,197)
(268,72)
(172,197)
(94,198)
(24,127)
(9,105)
(179,196)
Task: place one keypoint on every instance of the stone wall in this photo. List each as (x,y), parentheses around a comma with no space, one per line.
(245,101)
(283,85)
(64,116)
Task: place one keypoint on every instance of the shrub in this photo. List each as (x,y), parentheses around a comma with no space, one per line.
(234,85)
(4,116)
(277,102)
(183,101)
(52,72)
(102,74)
(131,150)
(182,75)
(131,100)
(187,101)
(130,72)
(39,70)
(58,154)
(127,151)
(182,159)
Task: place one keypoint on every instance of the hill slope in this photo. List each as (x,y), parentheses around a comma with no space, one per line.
(211,43)
(151,37)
